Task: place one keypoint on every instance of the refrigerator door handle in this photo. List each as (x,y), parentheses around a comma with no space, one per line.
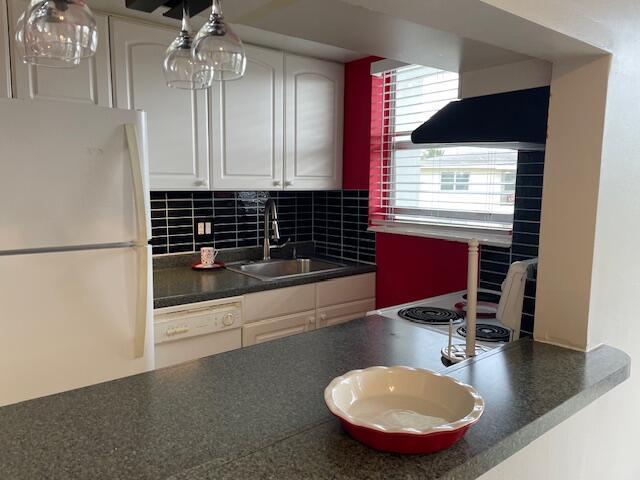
(139,190)
(142,304)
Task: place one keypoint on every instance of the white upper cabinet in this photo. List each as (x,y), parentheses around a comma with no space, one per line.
(253,148)
(5,70)
(247,125)
(89,83)
(177,119)
(314,117)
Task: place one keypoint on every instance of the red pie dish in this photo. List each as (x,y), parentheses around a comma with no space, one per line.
(403,409)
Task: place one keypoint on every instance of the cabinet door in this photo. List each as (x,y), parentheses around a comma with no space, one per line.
(246,126)
(279,302)
(313,133)
(336,314)
(177,119)
(5,70)
(346,289)
(89,82)
(274,328)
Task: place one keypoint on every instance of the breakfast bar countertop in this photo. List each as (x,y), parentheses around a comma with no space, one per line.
(259,412)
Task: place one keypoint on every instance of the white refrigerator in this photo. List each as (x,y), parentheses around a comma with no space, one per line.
(75,261)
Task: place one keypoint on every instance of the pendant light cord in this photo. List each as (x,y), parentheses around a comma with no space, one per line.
(185,16)
(216,8)
(216,19)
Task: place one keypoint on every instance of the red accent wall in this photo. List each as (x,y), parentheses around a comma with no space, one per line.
(409,268)
(357,124)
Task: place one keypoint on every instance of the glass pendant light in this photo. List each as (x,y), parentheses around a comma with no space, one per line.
(181,67)
(218,45)
(31,58)
(57,33)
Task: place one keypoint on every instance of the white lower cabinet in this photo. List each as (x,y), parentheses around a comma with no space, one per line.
(279,327)
(344,312)
(279,302)
(177,119)
(187,332)
(288,311)
(346,289)
(347,298)
(278,313)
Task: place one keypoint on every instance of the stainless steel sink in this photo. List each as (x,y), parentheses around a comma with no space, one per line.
(279,269)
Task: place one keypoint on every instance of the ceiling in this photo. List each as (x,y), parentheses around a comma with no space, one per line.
(363,29)
(492,22)
(249,34)
(342,30)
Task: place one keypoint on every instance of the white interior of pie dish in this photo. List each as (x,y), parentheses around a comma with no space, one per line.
(403,400)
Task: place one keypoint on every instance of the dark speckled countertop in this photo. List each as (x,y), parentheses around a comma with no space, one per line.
(179,284)
(259,412)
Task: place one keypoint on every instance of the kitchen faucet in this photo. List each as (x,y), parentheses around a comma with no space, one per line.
(270,208)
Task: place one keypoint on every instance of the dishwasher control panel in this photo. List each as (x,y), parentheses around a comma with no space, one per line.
(175,323)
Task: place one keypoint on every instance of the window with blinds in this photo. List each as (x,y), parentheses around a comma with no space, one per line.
(455,193)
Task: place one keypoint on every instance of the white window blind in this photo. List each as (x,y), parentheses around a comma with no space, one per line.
(455,193)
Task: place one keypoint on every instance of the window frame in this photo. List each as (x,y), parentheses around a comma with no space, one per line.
(488,227)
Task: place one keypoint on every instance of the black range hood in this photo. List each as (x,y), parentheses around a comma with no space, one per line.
(516,120)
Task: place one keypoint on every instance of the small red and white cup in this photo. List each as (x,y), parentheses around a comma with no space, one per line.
(208,256)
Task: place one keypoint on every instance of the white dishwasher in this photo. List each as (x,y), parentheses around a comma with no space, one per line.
(196,330)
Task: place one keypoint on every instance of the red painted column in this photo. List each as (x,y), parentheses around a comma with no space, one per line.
(357,124)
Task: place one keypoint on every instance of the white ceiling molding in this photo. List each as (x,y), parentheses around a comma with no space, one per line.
(505,78)
(382,66)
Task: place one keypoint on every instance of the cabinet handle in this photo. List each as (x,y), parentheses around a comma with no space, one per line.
(312,320)
(276,183)
(200,182)
(288,183)
(323,316)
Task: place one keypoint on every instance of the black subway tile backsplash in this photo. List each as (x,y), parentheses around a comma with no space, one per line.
(340,220)
(337,223)
(494,261)
(335,220)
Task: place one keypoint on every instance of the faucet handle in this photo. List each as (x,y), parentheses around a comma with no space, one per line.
(281,245)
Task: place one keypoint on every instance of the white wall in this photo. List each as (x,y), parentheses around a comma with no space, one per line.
(601,441)
(505,78)
(368,31)
(570,202)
